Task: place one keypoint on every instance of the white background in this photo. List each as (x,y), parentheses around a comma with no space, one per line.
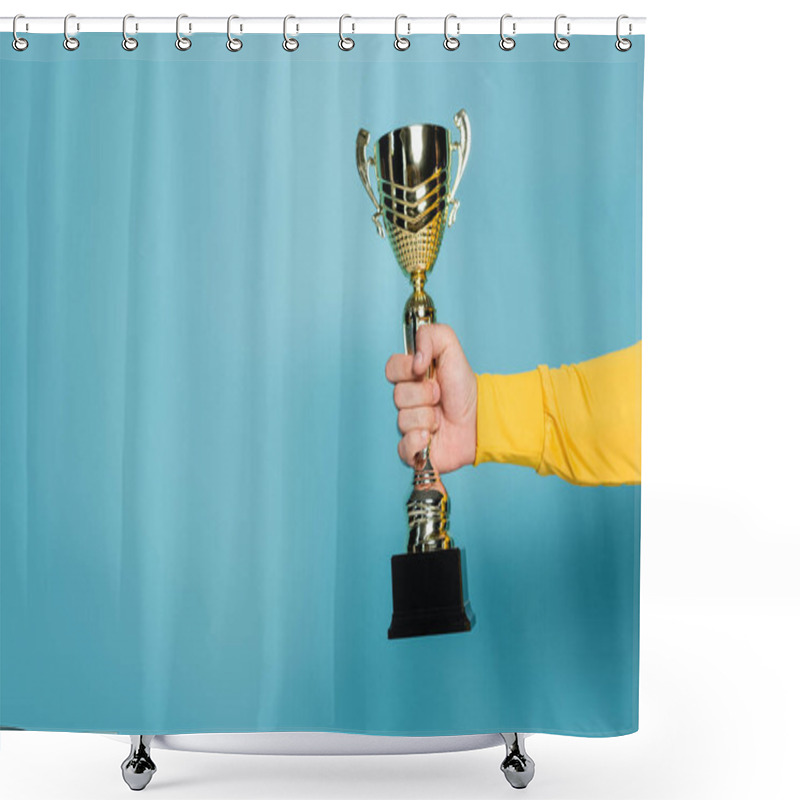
(719,583)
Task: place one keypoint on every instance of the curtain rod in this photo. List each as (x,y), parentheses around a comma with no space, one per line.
(513,26)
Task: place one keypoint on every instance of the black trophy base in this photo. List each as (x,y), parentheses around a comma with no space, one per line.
(428,594)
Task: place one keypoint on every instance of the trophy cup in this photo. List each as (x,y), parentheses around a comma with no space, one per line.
(413,170)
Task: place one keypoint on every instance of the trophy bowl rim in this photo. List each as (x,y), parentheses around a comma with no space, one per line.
(415,125)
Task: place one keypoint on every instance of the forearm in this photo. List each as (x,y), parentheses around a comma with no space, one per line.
(581,422)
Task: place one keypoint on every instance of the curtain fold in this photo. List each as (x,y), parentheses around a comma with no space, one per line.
(199,486)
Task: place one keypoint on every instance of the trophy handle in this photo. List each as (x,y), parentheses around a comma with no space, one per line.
(363,162)
(462,123)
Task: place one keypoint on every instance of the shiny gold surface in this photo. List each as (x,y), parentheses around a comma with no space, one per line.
(412,166)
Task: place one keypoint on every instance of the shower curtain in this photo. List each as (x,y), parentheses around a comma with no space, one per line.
(200,488)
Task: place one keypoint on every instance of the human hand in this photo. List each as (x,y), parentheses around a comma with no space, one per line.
(446,406)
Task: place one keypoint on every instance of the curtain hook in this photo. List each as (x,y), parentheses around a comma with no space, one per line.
(451,42)
(128,42)
(289,44)
(18,43)
(70,42)
(345,42)
(623,45)
(233,44)
(181,42)
(507,42)
(561,44)
(400,42)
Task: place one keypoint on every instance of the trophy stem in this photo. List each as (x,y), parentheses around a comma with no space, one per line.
(429,505)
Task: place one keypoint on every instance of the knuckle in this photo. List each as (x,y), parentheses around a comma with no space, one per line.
(431,391)
(448,335)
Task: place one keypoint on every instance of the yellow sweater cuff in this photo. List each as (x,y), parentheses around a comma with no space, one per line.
(503,402)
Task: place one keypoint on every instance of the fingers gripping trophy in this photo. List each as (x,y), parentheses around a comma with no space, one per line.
(414,203)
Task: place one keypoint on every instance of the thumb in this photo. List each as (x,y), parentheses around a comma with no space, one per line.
(433,340)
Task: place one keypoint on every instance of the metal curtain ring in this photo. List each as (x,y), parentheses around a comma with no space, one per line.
(623,45)
(181,42)
(70,42)
(18,43)
(451,42)
(233,44)
(507,42)
(345,42)
(400,42)
(561,44)
(289,44)
(128,42)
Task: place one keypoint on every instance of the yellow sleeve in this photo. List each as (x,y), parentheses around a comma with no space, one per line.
(581,422)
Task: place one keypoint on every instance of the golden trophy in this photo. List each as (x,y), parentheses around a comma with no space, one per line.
(413,169)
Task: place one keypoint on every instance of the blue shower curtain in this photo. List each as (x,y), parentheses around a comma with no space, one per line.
(200,490)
